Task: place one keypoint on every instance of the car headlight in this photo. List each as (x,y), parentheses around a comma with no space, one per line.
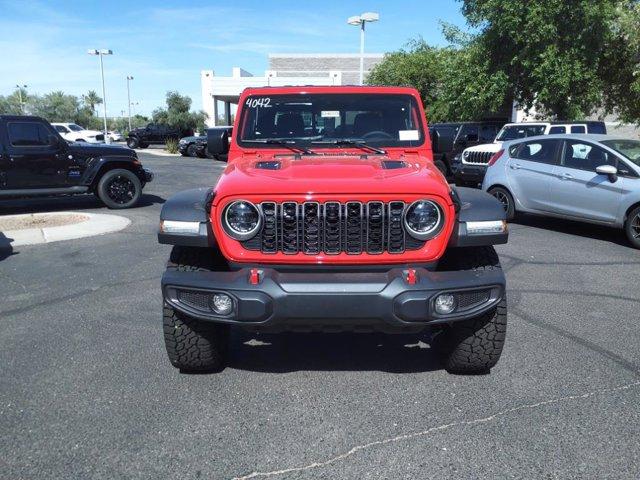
(423,219)
(182,142)
(465,154)
(241,220)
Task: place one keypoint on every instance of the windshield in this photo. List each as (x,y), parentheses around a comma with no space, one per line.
(513,132)
(629,148)
(75,128)
(331,119)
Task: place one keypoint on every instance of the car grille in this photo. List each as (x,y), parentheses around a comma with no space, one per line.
(100,137)
(478,157)
(333,228)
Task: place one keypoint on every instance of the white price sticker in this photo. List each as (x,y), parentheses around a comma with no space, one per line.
(408,135)
(330,114)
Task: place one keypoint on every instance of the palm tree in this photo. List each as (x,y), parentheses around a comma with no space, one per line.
(91,99)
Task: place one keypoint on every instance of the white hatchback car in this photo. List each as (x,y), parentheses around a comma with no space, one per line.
(75,133)
(593,178)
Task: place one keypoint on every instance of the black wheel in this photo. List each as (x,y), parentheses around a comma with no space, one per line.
(132,142)
(506,199)
(442,167)
(632,227)
(193,345)
(192,150)
(119,188)
(143,145)
(473,346)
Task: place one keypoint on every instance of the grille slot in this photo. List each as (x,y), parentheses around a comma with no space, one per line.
(468,300)
(332,228)
(481,158)
(197,300)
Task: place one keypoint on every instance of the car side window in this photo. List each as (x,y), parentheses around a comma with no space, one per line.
(578,129)
(27,134)
(60,129)
(585,156)
(556,130)
(541,151)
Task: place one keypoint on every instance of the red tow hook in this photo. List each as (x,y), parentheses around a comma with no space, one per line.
(411,276)
(254,276)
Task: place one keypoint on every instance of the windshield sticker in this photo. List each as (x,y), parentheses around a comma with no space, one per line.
(263,102)
(408,135)
(330,114)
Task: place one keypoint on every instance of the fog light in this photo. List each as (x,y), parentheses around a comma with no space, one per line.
(445,304)
(222,304)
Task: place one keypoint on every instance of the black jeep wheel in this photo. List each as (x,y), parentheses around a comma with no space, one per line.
(506,199)
(119,188)
(192,150)
(132,142)
(632,227)
(193,345)
(473,346)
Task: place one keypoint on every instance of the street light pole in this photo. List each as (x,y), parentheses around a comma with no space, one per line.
(360,20)
(101,53)
(129,78)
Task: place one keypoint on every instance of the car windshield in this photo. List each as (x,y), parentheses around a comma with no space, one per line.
(322,120)
(513,132)
(629,148)
(75,128)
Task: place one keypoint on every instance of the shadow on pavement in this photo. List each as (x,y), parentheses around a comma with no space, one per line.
(570,227)
(290,352)
(79,202)
(6,250)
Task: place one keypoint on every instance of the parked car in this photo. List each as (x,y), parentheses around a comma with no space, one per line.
(450,139)
(75,133)
(36,161)
(115,136)
(154,133)
(592,178)
(332,216)
(196,146)
(469,167)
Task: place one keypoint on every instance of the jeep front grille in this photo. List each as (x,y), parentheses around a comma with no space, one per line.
(481,158)
(353,227)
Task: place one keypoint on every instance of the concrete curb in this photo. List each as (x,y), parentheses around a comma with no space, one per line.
(158,152)
(96,224)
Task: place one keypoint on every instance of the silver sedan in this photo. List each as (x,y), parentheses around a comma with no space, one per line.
(592,178)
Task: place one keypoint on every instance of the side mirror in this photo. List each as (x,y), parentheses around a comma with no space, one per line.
(217,141)
(608,170)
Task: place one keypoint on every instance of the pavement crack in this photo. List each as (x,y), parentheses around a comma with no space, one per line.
(446,426)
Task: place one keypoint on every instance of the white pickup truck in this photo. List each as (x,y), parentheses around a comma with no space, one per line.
(469,167)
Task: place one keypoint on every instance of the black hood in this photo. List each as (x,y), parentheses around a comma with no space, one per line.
(99,149)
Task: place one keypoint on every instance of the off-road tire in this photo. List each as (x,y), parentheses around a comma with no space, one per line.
(192,151)
(192,345)
(632,227)
(506,199)
(133,142)
(473,346)
(107,197)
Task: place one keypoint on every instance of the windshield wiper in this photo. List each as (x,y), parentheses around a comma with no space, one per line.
(343,142)
(290,144)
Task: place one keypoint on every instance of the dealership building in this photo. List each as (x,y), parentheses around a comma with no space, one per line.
(220,95)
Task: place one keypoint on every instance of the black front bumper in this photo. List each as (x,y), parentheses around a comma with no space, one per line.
(465,174)
(334,301)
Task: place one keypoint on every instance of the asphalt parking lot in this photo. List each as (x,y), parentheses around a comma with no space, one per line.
(86,390)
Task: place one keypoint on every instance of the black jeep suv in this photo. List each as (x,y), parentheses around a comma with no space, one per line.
(35,160)
(154,133)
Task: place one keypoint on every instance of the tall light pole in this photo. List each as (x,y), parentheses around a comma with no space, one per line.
(20,87)
(102,53)
(129,78)
(360,20)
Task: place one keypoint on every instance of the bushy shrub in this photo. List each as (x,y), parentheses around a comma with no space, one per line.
(172,146)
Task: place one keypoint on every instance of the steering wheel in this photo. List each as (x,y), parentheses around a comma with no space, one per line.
(377,134)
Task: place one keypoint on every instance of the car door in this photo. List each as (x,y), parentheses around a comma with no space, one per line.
(577,190)
(530,172)
(36,156)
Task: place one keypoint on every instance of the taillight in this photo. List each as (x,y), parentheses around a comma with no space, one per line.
(495,157)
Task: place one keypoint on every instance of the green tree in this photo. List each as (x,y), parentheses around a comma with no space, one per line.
(15,103)
(91,100)
(177,114)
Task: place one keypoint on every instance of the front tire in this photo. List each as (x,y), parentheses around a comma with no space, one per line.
(506,199)
(119,188)
(473,346)
(193,345)
(632,227)
(192,151)
(133,142)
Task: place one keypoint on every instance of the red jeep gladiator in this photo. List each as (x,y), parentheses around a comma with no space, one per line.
(331,216)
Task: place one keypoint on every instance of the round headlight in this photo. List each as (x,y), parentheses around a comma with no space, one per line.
(423,219)
(242,220)
(465,154)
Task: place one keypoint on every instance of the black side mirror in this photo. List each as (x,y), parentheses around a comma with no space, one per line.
(217,141)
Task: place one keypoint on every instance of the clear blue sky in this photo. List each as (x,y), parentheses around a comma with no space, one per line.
(164,46)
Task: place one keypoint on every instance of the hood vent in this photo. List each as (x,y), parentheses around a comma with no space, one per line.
(268,165)
(393,164)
